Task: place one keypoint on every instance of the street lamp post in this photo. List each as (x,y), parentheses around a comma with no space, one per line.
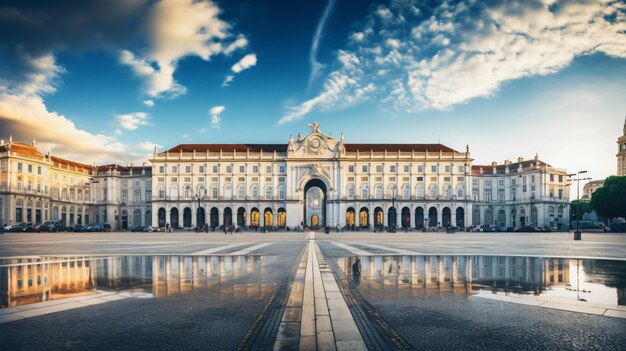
(200,199)
(577,233)
(393,205)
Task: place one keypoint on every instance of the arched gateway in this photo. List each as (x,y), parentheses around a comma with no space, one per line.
(315,203)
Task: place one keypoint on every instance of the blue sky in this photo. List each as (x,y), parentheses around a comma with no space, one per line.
(510,78)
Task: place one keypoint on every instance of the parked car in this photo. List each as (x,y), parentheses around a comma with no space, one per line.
(139,228)
(49,226)
(527,229)
(16,228)
(99,228)
(153,229)
(79,228)
(488,228)
(30,228)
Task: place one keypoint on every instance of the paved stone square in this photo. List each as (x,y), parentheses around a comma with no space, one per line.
(292,291)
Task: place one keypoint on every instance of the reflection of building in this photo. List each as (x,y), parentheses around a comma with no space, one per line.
(461,273)
(319,180)
(30,280)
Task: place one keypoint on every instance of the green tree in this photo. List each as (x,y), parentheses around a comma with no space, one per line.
(576,205)
(610,200)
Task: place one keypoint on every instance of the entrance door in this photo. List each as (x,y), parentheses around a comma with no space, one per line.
(315,221)
(315,203)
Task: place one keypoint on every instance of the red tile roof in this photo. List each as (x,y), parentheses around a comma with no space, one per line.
(283,147)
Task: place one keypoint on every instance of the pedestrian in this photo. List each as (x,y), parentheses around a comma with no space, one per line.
(206,227)
(231,229)
(167,227)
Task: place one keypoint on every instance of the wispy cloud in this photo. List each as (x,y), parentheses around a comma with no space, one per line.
(412,58)
(316,66)
(245,63)
(215,113)
(132,121)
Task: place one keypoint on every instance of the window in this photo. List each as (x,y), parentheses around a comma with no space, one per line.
(136,196)
(351,169)
(187,191)
(500,182)
(30,185)
(560,179)
(406,192)
(420,168)
(268,169)
(551,177)
(161,169)
(407,168)
(19,183)
(501,195)
(242,169)
(281,193)
(420,179)
(255,169)
(19,167)
(124,196)
(215,193)
(229,169)
(487,183)
(216,169)
(532,179)
(364,192)
(281,169)
(513,182)
(420,191)
(148,195)
(447,169)
(379,191)
(39,170)
(447,191)
(459,191)
(461,169)
(433,168)
(364,168)
(392,169)
(255,192)
(187,169)
(488,196)
(268,192)
(241,193)
(350,192)
(433,191)
(30,168)
(379,168)
(201,169)
(560,193)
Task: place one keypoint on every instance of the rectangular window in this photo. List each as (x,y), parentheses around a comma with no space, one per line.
(392,169)
(30,168)
(39,170)
(487,183)
(161,169)
(268,169)
(447,169)
(216,169)
(364,168)
(433,168)
(551,177)
(513,182)
(201,169)
(532,179)
(446,179)
(420,168)
(281,179)
(560,193)
(187,169)
(174,169)
(214,192)
(460,179)
(379,169)
(229,169)
(500,182)
(255,169)
(19,183)
(19,167)
(461,169)
(420,179)
(351,169)
(242,169)
(281,169)
(560,179)
(407,168)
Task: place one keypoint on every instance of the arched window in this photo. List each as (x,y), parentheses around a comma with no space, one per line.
(174,191)
(406,192)
(420,191)
(281,192)
(447,191)
(228,191)
(351,191)
(432,191)
(255,192)
(215,191)
(161,191)
(187,192)
(241,192)
(268,192)
(201,190)
(379,191)
(365,194)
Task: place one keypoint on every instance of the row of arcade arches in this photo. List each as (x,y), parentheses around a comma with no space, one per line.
(227,217)
(408,219)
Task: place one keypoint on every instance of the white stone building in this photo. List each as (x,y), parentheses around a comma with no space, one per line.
(318,180)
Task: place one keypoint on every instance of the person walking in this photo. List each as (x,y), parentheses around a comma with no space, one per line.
(231,229)
(225,229)
(206,227)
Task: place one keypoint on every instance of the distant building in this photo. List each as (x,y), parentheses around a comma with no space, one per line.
(621,153)
(590,187)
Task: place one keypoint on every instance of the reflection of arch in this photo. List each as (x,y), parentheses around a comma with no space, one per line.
(446,217)
(378,215)
(281,218)
(350,216)
(254,217)
(200,217)
(174,218)
(419,217)
(161,217)
(460,217)
(391,217)
(315,191)
(241,217)
(214,219)
(405,217)
(364,217)
(268,217)
(432,217)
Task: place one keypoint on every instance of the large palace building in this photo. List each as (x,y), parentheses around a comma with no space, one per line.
(311,181)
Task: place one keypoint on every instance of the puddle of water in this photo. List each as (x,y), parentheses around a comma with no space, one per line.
(556,279)
(30,280)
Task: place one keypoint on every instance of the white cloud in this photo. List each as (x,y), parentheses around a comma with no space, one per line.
(27,117)
(215,113)
(463,50)
(176,29)
(148,146)
(316,66)
(132,121)
(245,63)
(148,103)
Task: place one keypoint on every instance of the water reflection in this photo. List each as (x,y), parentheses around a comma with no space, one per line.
(37,279)
(597,281)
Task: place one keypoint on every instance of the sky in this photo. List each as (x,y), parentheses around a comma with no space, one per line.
(102,82)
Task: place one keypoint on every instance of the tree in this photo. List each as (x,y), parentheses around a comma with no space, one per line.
(609,201)
(576,205)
